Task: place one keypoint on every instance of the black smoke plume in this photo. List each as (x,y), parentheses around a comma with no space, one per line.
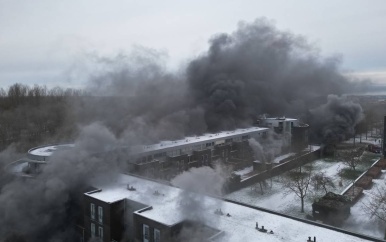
(259,69)
(335,121)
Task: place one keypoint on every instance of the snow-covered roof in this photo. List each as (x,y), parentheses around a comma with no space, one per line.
(48,150)
(196,140)
(167,208)
(281,119)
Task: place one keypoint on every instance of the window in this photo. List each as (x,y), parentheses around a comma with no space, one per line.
(100,214)
(245,137)
(100,230)
(92,210)
(157,235)
(181,165)
(146,233)
(92,230)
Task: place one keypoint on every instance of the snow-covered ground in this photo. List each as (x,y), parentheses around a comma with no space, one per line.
(374,139)
(275,197)
(362,222)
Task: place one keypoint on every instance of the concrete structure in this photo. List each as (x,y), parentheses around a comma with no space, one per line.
(36,158)
(332,208)
(293,130)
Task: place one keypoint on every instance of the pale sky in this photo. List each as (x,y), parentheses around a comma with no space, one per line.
(42,40)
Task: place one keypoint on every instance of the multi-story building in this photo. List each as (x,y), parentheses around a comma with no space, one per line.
(168,158)
(293,130)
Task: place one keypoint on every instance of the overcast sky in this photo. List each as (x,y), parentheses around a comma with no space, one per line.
(42,40)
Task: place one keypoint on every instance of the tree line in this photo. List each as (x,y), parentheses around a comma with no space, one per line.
(32,115)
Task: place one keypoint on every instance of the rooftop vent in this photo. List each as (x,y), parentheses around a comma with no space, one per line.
(263,230)
(130,188)
(309,239)
(157,193)
(218,212)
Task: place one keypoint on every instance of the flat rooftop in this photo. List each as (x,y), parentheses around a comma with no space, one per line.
(282,119)
(198,139)
(172,205)
(49,149)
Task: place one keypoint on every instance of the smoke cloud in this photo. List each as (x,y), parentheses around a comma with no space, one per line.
(43,208)
(255,70)
(335,121)
(193,204)
(273,146)
(135,100)
(259,69)
(196,183)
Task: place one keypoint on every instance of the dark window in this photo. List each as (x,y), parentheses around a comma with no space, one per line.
(157,235)
(146,232)
(92,211)
(92,230)
(100,214)
(100,232)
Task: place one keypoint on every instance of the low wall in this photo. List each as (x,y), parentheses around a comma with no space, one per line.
(363,174)
(275,171)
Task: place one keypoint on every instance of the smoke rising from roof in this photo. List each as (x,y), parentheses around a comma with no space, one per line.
(255,70)
(259,69)
(193,204)
(196,183)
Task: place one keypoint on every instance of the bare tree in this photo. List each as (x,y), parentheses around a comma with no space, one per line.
(298,182)
(322,180)
(376,206)
(352,158)
(263,185)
